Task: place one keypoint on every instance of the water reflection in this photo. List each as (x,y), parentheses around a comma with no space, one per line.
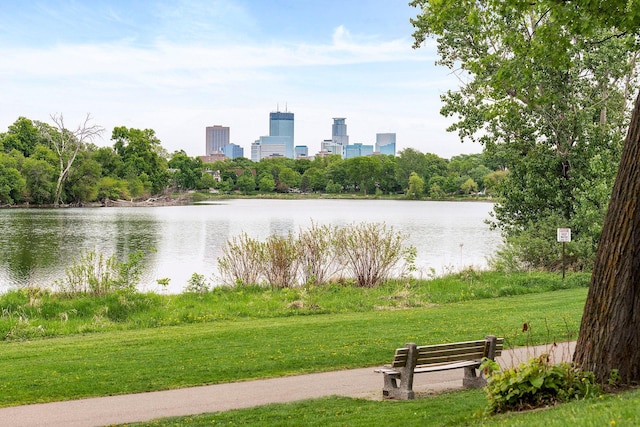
(37,244)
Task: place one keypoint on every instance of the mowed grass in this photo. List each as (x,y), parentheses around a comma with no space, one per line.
(119,362)
(455,408)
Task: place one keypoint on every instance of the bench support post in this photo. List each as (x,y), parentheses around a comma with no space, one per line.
(471,380)
(403,390)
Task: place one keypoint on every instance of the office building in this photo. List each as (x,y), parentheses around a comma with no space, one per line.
(216,138)
(271,146)
(357,150)
(233,151)
(386,143)
(339,131)
(301,151)
(280,141)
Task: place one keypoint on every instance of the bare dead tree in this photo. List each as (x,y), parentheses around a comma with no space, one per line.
(66,144)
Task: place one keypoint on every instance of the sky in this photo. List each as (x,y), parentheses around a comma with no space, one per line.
(178,66)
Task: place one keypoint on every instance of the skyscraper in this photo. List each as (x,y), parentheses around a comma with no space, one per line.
(216,138)
(280,139)
(339,131)
(281,124)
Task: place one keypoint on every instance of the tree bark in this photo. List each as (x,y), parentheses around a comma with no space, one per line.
(609,336)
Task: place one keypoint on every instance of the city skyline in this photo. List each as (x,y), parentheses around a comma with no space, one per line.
(177,67)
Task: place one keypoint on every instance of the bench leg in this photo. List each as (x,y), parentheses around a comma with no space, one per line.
(471,379)
(404,390)
(396,388)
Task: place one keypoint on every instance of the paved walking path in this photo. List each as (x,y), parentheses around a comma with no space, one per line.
(362,383)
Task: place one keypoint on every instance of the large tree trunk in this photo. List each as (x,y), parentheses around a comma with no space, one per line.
(609,336)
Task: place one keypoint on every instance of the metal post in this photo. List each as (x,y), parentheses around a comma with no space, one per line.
(563,245)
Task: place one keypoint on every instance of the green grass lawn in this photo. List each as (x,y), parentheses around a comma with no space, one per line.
(448,409)
(138,360)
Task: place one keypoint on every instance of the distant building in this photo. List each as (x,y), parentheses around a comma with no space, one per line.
(214,157)
(386,143)
(233,151)
(357,150)
(280,141)
(301,151)
(271,146)
(216,138)
(339,131)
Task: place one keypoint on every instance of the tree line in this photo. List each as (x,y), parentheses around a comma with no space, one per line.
(50,165)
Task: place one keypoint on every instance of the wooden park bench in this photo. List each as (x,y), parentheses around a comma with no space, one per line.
(413,359)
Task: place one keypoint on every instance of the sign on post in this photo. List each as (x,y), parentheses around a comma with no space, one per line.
(564,234)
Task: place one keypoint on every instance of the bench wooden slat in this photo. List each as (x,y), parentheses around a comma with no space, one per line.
(464,344)
(446,367)
(429,360)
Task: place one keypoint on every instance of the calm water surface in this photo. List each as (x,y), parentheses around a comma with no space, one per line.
(37,244)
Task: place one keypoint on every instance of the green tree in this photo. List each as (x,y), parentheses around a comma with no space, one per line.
(206,181)
(110,162)
(187,171)
(39,176)
(287,178)
(410,160)
(549,100)
(469,186)
(110,188)
(387,180)
(363,173)
(305,184)
(141,162)
(492,180)
(336,171)
(591,46)
(333,187)
(23,135)
(246,182)
(266,183)
(416,186)
(12,184)
(317,180)
(84,179)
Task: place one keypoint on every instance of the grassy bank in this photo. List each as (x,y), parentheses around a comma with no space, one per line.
(33,313)
(138,360)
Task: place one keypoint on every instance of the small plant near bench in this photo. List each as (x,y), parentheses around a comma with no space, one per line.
(536,383)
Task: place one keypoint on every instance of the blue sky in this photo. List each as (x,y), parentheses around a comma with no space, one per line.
(179,66)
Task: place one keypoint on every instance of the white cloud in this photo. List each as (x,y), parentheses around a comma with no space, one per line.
(178,87)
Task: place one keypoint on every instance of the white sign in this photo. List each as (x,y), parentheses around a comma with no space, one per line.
(564,234)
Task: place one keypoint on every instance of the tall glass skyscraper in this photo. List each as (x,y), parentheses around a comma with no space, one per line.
(339,131)
(280,141)
(281,124)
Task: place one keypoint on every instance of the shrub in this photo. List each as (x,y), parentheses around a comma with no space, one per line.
(318,260)
(241,261)
(535,384)
(368,252)
(280,262)
(371,251)
(197,284)
(96,274)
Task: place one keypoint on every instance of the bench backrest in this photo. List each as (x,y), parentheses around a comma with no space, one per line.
(441,354)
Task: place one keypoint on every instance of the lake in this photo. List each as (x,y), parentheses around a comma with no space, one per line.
(38,244)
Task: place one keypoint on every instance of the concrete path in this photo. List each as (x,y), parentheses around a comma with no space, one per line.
(362,383)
